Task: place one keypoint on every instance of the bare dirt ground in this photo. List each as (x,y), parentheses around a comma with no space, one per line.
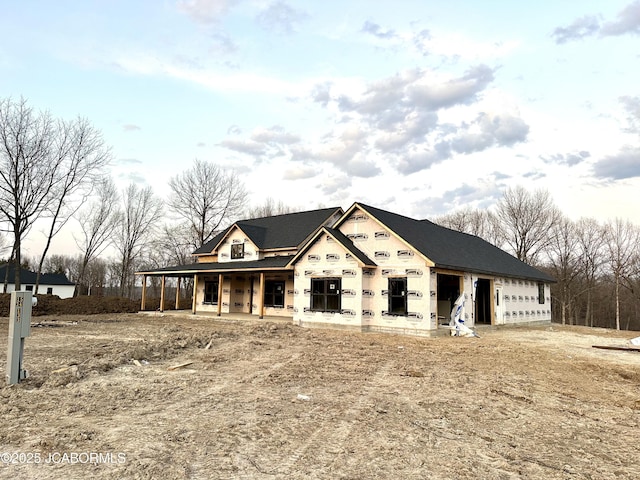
(271,400)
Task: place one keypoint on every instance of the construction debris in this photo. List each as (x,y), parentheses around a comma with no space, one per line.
(180,365)
(613,347)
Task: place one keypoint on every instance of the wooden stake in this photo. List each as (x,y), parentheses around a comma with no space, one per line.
(180,365)
(624,349)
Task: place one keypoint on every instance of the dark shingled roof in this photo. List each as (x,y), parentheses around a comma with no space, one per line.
(343,240)
(447,248)
(279,262)
(455,250)
(348,244)
(280,231)
(28,277)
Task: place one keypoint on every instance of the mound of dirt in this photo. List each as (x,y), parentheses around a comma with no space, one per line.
(54,305)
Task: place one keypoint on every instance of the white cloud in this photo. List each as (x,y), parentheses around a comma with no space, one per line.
(281,18)
(465,48)
(274,135)
(211,78)
(300,172)
(579,28)
(205,11)
(333,185)
(628,21)
(621,165)
(248,147)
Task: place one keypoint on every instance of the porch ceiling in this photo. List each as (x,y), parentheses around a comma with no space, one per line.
(269,263)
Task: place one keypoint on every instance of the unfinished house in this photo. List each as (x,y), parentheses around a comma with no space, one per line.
(366,269)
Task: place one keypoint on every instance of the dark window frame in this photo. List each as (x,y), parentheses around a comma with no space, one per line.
(397,296)
(237,251)
(541,293)
(211,288)
(272,295)
(326,295)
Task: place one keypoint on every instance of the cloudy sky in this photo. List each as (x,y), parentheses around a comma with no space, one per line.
(417,106)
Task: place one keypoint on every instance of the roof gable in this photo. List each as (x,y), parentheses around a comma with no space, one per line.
(454,250)
(352,214)
(244,230)
(280,231)
(212,244)
(340,238)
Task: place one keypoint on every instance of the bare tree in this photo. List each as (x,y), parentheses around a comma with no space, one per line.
(564,259)
(526,220)
(36,154)
(95,275)
(173,247)
(140,214)
(270,208)
(83,156)
(56,264)
(591,240)
(481,223)
(206,197)
(28,170)
(622,239)
(632,283)
(98,222)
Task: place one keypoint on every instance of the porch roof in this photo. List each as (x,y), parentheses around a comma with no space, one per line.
(269,263)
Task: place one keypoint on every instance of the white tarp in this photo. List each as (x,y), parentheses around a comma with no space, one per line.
(458,328)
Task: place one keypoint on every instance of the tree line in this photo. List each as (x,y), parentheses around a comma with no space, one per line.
(56,171)
(596,264)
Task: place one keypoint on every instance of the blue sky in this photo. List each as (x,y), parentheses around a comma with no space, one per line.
(420,107)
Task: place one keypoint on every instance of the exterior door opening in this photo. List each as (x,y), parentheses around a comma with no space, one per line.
(448,293)
(483,301)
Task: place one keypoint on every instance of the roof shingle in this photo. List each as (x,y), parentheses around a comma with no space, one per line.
(455,250)
(279,231)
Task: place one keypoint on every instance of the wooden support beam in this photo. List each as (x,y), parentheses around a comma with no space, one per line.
(195,293)
(620,348)
(492,301)
(178,293)
(162,294)
(143,300)
(220,280)
(261,297)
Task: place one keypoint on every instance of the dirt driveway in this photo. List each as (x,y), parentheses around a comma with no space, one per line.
(271,400)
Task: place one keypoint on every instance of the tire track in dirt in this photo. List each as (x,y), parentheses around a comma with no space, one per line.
(222,379)
(337,436)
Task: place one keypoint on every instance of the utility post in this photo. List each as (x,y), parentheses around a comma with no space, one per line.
(19,329)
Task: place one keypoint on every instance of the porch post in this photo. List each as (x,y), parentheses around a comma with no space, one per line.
(261,298)
(492,301)
(162,294)
(220,280)
(178,293)
(143,300)
(195,293)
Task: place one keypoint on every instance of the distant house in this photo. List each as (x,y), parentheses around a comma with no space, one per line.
(366,268)
(50,283)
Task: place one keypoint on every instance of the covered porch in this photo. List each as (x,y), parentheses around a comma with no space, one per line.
(259,288)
